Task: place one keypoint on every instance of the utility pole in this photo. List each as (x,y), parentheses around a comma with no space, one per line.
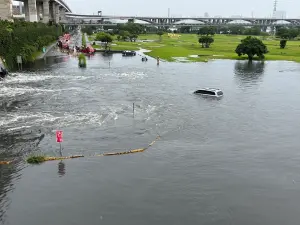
(274,15)
(275,8)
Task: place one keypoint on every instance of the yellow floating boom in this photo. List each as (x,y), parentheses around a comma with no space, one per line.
(124,153)
(5,162)
(62,158)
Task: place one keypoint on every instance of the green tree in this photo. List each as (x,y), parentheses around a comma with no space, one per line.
(160,33)
(207,30)
(293,33)
(287,33)
(237,30)
(104,37)
(251,46)
(185,29)
(124,35)
(132,28)
(133,37)
(206,41)
(252,31)
(283,43)
(224,30)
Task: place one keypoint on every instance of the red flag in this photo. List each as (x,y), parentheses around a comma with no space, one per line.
(59,136)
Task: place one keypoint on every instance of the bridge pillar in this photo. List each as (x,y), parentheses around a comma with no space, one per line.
(33,17)
(26,11)
(51,11)
(62,15)
(56,13)
(39,7)
(46,11)
(6,10)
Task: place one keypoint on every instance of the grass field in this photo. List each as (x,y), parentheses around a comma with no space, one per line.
(187,46)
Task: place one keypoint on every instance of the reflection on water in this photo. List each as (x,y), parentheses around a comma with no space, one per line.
(61,169)
(248,72)
(107,56)
(6,185)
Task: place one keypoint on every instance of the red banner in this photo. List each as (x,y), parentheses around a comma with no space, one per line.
(59,136)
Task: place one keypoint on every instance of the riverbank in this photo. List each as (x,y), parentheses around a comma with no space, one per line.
(186,48)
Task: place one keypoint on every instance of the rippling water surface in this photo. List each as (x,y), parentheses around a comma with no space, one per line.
(228,161)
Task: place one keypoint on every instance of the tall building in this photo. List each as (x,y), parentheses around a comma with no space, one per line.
(18,8)
(206,15)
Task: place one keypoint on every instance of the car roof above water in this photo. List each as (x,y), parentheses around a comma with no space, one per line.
(209,89)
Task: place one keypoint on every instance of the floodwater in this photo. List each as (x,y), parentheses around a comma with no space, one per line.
(235,160)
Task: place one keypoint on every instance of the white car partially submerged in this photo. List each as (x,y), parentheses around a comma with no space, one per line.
(209,92)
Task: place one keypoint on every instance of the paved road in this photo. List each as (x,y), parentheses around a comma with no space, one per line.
(49,49)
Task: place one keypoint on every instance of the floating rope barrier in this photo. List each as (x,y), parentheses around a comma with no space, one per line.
(131,151)
(124,153)
(40,159)
(62,158)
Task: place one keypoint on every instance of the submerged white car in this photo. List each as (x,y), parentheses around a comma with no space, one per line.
(209,92)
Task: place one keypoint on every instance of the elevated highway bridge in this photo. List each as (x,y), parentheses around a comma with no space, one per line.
(108,20)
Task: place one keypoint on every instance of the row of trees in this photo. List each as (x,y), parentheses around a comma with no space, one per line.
(233,29)
(129,31)
(236,30)
(133,29)
(24,39)
(287,33)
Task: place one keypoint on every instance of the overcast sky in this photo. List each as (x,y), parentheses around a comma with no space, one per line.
(261,8)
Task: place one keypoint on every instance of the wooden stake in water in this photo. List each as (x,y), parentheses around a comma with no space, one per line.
(133,110)
(60,150)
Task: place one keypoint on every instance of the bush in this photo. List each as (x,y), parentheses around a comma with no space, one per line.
(24,38)
(81,60)
(36,159)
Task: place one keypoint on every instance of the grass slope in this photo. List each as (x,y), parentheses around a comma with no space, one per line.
(223,47)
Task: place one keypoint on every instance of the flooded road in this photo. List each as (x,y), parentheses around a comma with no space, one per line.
(228,161)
